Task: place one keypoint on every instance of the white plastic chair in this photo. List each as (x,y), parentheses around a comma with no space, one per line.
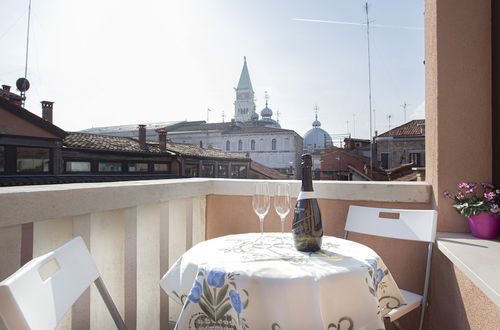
(415,225)
(27,301)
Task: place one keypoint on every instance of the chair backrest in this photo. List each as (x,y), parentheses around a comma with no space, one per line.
(28,301)
(416,225)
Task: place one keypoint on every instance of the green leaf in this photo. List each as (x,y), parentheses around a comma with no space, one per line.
(222,293)
(207,310)
(224,309)
(245,303)
(207,293)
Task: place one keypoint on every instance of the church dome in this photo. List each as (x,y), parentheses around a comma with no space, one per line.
(317,138)
(266,112)
(255,116)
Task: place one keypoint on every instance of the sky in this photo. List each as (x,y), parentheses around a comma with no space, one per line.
(116,62)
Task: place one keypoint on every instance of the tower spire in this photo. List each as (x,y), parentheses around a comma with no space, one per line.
(316,122)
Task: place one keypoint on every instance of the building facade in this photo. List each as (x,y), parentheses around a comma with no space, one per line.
(247,135)
(401,145)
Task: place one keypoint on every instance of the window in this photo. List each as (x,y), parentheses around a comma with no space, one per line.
(222,171)
(273,144)
(161,167)
(2,159)
(110,167)
(77,166)
(228,145)
(208,171)
(252,145)
(138,167)
(415,158)
(238,171)
(35,160)
(240,145)
(191,170)
(384,160)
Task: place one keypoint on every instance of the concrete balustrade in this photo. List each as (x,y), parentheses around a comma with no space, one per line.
(137,230)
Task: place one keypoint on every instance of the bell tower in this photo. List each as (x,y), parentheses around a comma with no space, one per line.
(244,105)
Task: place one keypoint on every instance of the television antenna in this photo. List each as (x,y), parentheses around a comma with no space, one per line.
(23,84)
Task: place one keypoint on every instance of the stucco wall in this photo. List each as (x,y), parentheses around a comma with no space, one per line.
(457,100)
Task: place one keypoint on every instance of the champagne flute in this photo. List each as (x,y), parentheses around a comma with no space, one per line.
(260,203)
(282,207)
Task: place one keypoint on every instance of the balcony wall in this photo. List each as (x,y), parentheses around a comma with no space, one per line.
(136,230)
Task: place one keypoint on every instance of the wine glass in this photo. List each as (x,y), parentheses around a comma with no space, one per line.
(282,207)
(260,203)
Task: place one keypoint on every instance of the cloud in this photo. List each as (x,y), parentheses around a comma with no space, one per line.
(418,112)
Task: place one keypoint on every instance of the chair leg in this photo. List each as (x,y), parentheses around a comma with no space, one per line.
(110,304)
(397,325)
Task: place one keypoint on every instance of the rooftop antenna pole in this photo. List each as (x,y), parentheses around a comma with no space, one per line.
(27,42)
(389,119)
(353,124)
(369,87)
(404,105)
(223,116)
(22,83)
(208,113)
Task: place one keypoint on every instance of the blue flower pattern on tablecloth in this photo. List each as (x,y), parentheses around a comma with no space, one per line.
(216,295)
(235,301)
(216,278)
(195,293)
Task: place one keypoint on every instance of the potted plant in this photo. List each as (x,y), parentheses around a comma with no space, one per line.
(480,203)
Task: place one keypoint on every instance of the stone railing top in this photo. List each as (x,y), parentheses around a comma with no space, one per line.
(34,203)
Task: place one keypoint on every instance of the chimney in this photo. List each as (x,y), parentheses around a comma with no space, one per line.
(162,138)
(6,88)
(47,110)
(142,135)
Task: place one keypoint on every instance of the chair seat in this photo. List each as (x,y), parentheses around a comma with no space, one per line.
(412,301)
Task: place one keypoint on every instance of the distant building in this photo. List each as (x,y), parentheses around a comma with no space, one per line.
(342,164)
(316,140)
(359,147)
(35,151)
(402,145)
(263,140)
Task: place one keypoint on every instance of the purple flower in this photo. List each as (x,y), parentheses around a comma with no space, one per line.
(487,185)
(235,301)
(463,185)
(446,193)
(216,278)
(469,191)
(495,208)
(195,293)
(490,196)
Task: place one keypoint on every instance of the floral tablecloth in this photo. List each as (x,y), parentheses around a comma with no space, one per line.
(227,283)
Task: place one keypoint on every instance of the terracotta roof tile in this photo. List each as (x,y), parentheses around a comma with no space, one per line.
(127,144)
(267,171)
(412,128)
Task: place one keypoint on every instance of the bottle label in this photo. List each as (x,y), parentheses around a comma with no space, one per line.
(306,195)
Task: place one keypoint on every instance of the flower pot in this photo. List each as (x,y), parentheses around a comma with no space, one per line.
(484,225)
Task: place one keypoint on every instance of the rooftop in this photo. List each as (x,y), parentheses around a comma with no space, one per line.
(127,144)
(411,128)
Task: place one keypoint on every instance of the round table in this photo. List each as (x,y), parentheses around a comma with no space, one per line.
(228,283)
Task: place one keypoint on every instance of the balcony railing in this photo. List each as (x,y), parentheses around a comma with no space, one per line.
(136,230)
